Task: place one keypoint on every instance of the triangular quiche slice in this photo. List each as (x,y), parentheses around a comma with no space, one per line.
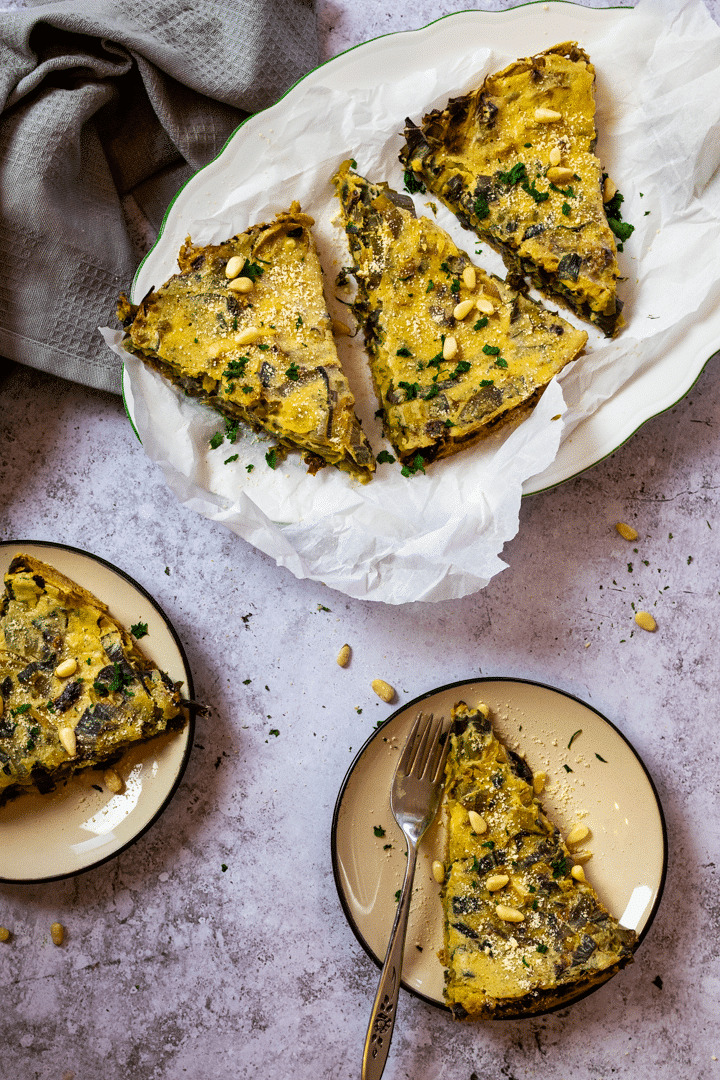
(244,327)
(524,930)
(453,350)
(515,161)
(75,689)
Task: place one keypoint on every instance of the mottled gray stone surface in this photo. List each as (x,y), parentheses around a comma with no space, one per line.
(173,968)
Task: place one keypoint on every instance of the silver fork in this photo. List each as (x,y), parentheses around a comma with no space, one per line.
(414,800)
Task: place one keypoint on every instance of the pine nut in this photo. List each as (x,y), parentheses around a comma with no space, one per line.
(626,531)
(539,781)
(555,155)
(582,856)
(560,175)
(645,621)
(450,347)
(497,881)
(341,329)
(383,689)
(463,309)
(578,873)
(247,336)
(484,305)
(478,824)
(577,835)
(57,933)
(241,285)
(67,668)
(234,266)
(67,737)
(546,116)
(469,277)
(290,243)
(4,933)
(509,914)
(343,657)
(438,871)
(113,781)
(609,189)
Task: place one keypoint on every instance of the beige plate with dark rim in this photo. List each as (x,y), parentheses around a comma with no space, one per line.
(615,797)
(77,827)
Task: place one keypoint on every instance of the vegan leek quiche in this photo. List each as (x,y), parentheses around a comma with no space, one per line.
(244,328)
(453,350)
(75,690)
(515,161)
(522,934)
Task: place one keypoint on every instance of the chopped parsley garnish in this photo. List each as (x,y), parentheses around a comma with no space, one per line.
(514,175)
(455,287)
(293,372)
(481,323)
(574,736)
(559,866)
(378,830)
(501,362)
(247,389)
(491,350)
(253,270)
(403,351)
(298,322)
(271,458)
(432,392)
(120,678)
(566,209)
(232,429)
(430,286)
(138,630)
(542,949)
(412,184)
(538,196)
(525,962)
(236,367)
(487,382)
(481,208)
(19,710)
(461,368)
(488,844)
(385,458)
(417,465)
(411,390)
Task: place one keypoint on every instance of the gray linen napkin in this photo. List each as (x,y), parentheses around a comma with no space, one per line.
(106,107)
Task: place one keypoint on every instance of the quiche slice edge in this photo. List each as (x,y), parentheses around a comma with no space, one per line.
(453,350)
(521,933)
(515,161)
(108,696)
(244,327)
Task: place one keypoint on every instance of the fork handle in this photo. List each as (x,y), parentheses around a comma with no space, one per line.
(382,1017)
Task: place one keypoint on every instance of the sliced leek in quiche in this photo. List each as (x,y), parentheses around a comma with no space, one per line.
(453,350)
(515,161)
(244,327)
(75,690)
(522,934)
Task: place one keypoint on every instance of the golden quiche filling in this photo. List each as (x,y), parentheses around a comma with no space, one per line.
(453,350)
(75,689)
(515,161)
(244,327)
(524,931)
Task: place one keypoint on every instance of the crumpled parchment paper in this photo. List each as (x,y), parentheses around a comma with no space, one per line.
(438,536)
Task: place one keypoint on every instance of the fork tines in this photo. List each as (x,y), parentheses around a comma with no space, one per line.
(423,753)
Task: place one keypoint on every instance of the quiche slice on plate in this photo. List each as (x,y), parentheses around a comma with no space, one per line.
(75,689)
(453,350)
(515,161)
(244,327)
(524,930)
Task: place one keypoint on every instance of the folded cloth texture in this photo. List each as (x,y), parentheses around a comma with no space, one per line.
(106,108)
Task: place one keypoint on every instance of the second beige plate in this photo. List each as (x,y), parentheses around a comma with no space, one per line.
(82,824)
(594,776)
